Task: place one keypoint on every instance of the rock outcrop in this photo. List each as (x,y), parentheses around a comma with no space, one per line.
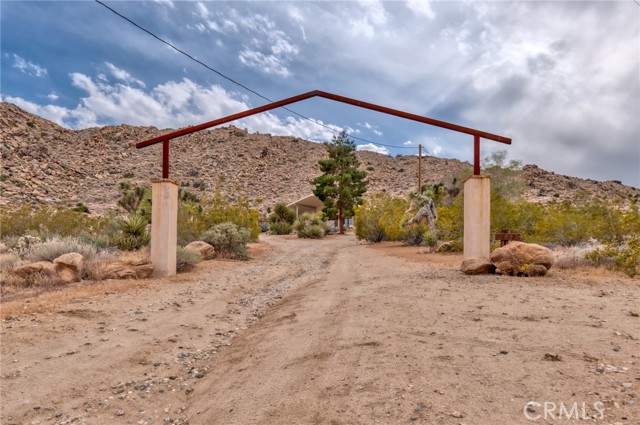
(207,251)
(128,269)
(522,259)
(69,267)
(477,265)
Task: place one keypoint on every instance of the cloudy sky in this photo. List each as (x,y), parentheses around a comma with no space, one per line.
(562,79)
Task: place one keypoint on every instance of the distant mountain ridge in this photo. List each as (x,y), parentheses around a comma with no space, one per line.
(43,163)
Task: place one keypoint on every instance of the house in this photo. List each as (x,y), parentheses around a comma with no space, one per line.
(311,204)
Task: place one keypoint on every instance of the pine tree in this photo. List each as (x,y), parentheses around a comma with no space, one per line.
(341,184)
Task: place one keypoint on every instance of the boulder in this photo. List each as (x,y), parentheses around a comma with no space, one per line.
(522,259)
(128,269)
(69,267)
(477,265)
(207,251)
(446,246)
(44,267)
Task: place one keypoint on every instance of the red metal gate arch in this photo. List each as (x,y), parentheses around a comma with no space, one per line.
(477,134)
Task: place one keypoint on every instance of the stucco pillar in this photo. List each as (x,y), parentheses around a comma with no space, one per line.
(477,217)
(164,226)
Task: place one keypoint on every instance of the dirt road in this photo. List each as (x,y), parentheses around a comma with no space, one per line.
(331,331)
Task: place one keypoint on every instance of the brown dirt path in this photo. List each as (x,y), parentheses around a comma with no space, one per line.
(332,332)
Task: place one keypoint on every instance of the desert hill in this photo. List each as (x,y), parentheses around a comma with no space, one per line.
(43,163)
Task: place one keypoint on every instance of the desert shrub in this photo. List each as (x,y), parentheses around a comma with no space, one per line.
(132,233)
(52,249)
(313,231)
(571,257)
(264,227)
(229,240)
(624,257)
(418,234)
(309,226)
(280,228)
(47,221)
(7,262)
(380,217)
(94,268)
(80,207)
(196,218)
(186,258)
(282,214)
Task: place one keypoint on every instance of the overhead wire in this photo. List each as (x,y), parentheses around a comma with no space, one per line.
(239,84)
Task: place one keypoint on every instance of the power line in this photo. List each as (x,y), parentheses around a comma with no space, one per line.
(234,81)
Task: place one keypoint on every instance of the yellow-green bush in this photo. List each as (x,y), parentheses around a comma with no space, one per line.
(196,218)
(623,257)
(381,217)
(46,222)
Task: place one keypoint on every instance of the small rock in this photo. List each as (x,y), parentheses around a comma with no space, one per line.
(552,357)
(477,265)
(626,385)
(457,414)
(119,412)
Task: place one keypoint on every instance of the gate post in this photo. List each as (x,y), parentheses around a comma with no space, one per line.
(477,217)
(164,226)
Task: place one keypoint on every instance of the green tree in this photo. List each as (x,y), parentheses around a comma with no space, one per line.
(341,184)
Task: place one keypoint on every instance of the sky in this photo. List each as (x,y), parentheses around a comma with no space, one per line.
(561,78)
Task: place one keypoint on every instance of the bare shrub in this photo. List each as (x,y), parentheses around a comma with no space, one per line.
(186,259)
(572,257)
(52,249)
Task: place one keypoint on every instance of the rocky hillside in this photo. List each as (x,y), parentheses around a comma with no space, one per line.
(43,163)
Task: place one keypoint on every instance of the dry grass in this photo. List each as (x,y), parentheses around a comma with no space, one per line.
(573,257)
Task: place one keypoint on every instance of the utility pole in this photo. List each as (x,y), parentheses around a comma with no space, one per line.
(419,169)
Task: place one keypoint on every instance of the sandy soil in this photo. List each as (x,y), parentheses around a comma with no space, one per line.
(332,331)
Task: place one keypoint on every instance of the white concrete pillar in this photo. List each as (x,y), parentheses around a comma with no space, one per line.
(164,226)
(477,217)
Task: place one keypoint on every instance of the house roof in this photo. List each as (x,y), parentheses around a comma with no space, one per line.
(308,201)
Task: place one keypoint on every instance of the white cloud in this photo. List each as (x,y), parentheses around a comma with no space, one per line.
(374,128)
(269,64)
(408,143)
(421,8)
(123,75)
(53,96)
(372,22)
(28,67)
(172,104)
(167,3)
(202,10)
(373,148)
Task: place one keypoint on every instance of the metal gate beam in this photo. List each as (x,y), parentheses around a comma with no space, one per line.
(316,93)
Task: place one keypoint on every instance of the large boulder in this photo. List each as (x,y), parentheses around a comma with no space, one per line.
(477,265)
(207,251)
(69,267)
(522,259)
(42,267)
(128,269)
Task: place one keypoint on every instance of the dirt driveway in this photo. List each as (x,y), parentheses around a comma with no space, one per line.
(331,331)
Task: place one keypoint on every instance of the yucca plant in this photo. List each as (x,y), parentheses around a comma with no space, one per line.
(132,234)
